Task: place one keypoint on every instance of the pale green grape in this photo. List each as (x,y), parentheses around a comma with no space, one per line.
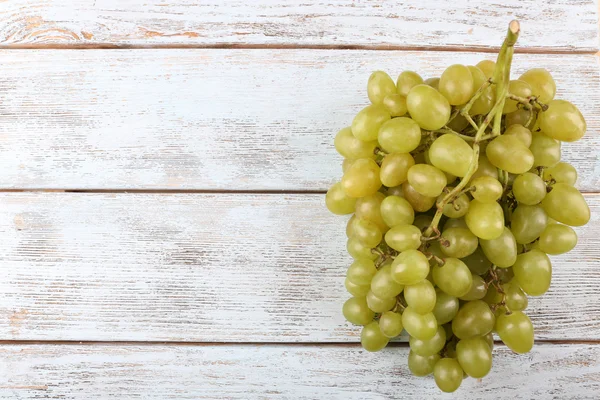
(562,121)
(361,271)
(485,220)
(362,178)
(448,374)
(562,173)
(357,250)
(445,308)
(379,304)
(420,326)
(460,242)
(369,208)
(367,122)
(380,85)
(478,289)
(456,84)
(399,135)
(510,154)
(477,262)
(474,356)
(421,366)
(541,82)
(422,221)
(505,274)
(529,188)
(420,297)
(433,82)
(356,290)
(451,154)
(395,104)
(346,164)
(533,272)
(577,213)
(383,286)
(367,232)
(426,179)
(453,277)
(487,67)
(352,148)
(390,324)
(418,202)
(458,123)
(492,296)
(545,150)
(516,300)
(487,189)
(395,191)
(457,208)
(485,102)
(520,132)
(528,223)
(403,237)
(428,107)
(485,168)
(397,210)
(516,331)
(350,226)
(501,251)
(521,117)
(357,312)
(338,202)
(406,81)
(489,339)
(473,319)
(518,88)
(430,346)
(371,337)
(410,267)
(557,239)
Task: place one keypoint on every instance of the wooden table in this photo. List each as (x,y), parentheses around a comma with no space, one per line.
(162,219)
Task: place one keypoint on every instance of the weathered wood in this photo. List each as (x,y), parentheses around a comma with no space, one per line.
(214,268)
(217,119)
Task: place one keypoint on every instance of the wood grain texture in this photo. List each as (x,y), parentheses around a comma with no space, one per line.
(213,268)
(281,372)
(556,25)
(217,119)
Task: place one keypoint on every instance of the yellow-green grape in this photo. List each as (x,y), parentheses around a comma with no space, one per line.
(399,135)
(529,188)
(410,267)
(487,67)
(485,168)
(453,277)
(505,274)
(485,220)
(565,204)
(395,104)
(418,202)
(557,239)
(458,123)
(562,121)
(406,81)
(430,346)
(528,223)
(390,324)
(520,117)
(445,308)
(357,312)
(403,237)
(394,168)
(561,173)
(451,154)
(516,331)
(395,191)
(379,304)
(421,366)
(361,271)
(352,148)
(486,100)
(478,289)
(501,251)
(456,84)
(433,82)
(380,85)
(338,202)
(515,298)
(357,250)
(492,296)
(397,210)
(520,132)
(350,226)
(420,296)
(426,179)
(448,374)
(458,242)
(474,356)
(487,189)
(420,326)
(356,290)
(369,208)
(362,178)
(428,107)
(545,150)
(541,82)
(510,154)
(477,262)
(473,319)
(533,272)
(457,208)
(518,88)
(367,122)
(346,164)
(371,337)
(382,284)
(367,232)
(489,339)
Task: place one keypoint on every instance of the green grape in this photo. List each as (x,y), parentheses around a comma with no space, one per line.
(458,123)
(485,168)
(474,356)
(371,337)
(419,202)
(421,366)
(352,148)
(338,202)
(533,271)
(383,286)
(473,319)
(357,250)
(369,208)
(455,223)
(445,308)
(448,330)
(520,132)
(520,117)
(433,82)
(528,222)
(492,296)
(362,178)
(356,290)
(460,242)
(448,374)
(557,239)
(406,81)
(367,232)
(456,84)
(390,324)
(515,298)
(485,102)
(510,154)
(487,67)
(453,277)
(396,210)
(487,189)
(505,274)
(576,214)
(357,312)
(478,289)
(545,150)
(395,104)
(380,85)
(562,121)
(529,189)
(451,154)
(399,135)
(420,297)
(428,107)
(489,339)
(426,180)
(430,346)
(516,331)
(350,226)
(346,164)
(541,82)
(361,271)
(422,221)
(457,208)
(477,262)
(561,173)
(367,122)
(395,191)
(403,237)
(410,267)
(485,220)
(420,326)
(378,304)
(501,251)
(518,88)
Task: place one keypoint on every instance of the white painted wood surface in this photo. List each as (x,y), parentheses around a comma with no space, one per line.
(217,119)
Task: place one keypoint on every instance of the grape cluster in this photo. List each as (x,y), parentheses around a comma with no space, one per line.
(458,195)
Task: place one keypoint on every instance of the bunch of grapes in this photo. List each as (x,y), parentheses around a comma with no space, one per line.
(458,195)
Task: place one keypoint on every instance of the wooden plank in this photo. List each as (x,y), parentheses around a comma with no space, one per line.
(558,25)
(217,119)
(213,268)
(282,372)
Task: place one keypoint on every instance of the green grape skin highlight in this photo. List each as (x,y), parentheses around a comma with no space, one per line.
(367,232)
(474,356)
(533,272)
(485,220)
(410,267)
(418,202)
(487,189)
(510,154)
(461,242)
(403,237)
(357,312)
(395,105)
(545,150)
(456,84)
(430,346)
(338,202)
(428,107)
(396,210)
(557,239)
(394,168)
(528,223)
(399,135)
(501,251)
(361,271)
(576,214)
(390,324)
(478,289)
(561,173)
(352,148)
(453,277)
(427,180)
(520,132)
(382,284)
(379,86)
(406,81)
(356,290)
(516,331)
(529,188)
(421,366)
(421,296)
(362,178)
(448,375)
(371,337)
(562,121)
(357,250)
(420,326)
(366,124)
(473,319)
(518,88)
(378,304)
(451,154)
(446,307)
(541,83)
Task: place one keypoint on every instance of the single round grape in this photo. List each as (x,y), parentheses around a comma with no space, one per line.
(399,135)
(418,202)
(557,239)
(380,85)
(369,208)
(484,168)
(486,100)
(487,67)
(346,164)
(478,289)
(357,312)
(410,267)
(390,324)
(420,296)
(487,189)
(350,226)
(406,81)
(403,237)
(541,82)
(448,374)
(383,286)
(577,213)
(458,123)
(501,251)
(561,173)
(528,223)
(421,366)
(518,88)
(451,154)
(397,210)
(371,337)
(529,188)
(473,319)
(460,242)
(485,220)
(395,104)
(357,250)
(562,121)
(379,304)
(477,262)
(338,202)
(433,82)
(453,277)
(457,208)
(356,290)
(421,326)
(521,117)
(367,122)
(352,148)
(474,356)
(367,232)
(516,331)
(520,132)
(515,298)
(445,308)
(361,271)
(430,346)
(456,84)
(426,179)
(362,178)
(428,107)
(545,150)
(533,271)
(510,154)
(489,339)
